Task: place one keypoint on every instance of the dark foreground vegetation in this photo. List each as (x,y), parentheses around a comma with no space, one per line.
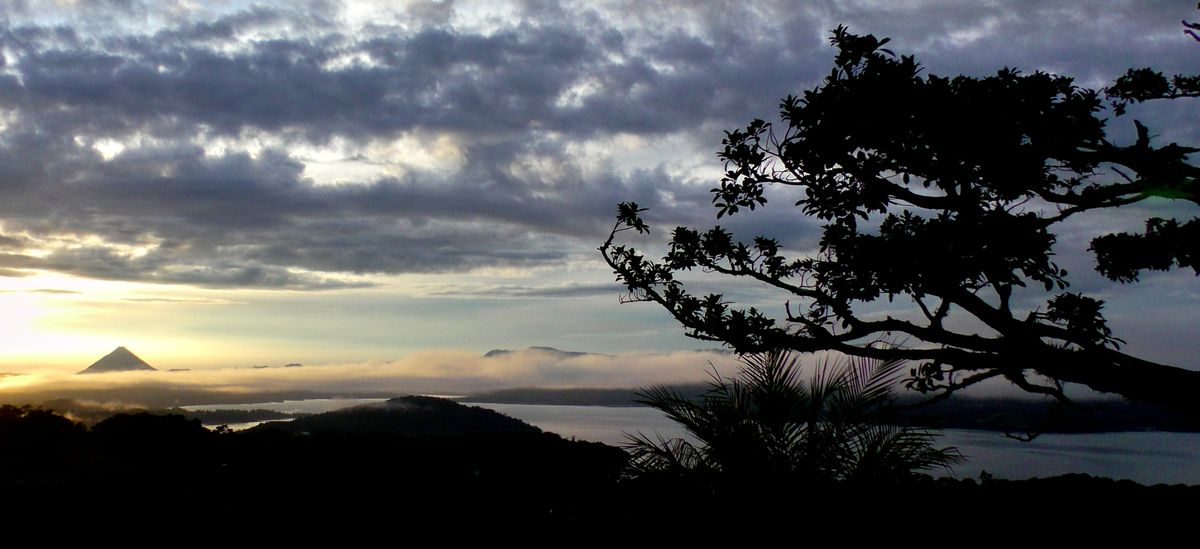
(427,456)
(416,462)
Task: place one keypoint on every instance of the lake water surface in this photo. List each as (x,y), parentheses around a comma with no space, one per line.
(1145,457)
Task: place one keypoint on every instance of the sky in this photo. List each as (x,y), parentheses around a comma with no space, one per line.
(220,184)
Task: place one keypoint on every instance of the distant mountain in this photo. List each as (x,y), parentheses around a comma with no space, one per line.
(558,353)
(265,366)
(1021,415)
(120,360)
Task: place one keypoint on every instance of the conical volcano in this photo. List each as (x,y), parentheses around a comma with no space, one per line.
(120,360)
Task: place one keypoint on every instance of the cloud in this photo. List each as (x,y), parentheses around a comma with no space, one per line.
(104,264)
(13,242)
(12,265)
(310,147)
(234,220)
(188,300)
(359,82)
(443,371)
(569,290)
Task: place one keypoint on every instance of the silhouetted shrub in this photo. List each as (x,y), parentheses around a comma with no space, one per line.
(768,425)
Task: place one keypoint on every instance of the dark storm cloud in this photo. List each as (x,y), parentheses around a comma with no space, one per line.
(1091,41)
(224,28)
(104,264)
(165,210)
(13,242)
(14,260)
(239,210)
(434,77)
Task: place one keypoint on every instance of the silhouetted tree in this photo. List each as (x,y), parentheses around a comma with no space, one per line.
(942,193)
(38,444)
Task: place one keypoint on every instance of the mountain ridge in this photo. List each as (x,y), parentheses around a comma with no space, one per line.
(558,353)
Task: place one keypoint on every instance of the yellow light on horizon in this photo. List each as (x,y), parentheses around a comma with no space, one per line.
(68,322)
(24,339)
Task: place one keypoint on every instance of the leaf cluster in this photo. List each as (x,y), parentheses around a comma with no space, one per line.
(768,423)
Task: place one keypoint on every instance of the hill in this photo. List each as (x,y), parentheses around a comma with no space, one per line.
(406,416)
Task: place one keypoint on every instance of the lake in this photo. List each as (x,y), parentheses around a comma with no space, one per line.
(1145,457)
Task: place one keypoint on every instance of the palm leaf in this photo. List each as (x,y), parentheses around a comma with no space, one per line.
(767,421)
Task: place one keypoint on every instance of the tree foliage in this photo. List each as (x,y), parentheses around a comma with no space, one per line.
(1145,84)
(768,424)
(943,193)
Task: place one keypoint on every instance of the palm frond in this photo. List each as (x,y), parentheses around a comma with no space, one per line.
(867,386)
(648,455)
(767,421)
(884,452)
(675,406)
